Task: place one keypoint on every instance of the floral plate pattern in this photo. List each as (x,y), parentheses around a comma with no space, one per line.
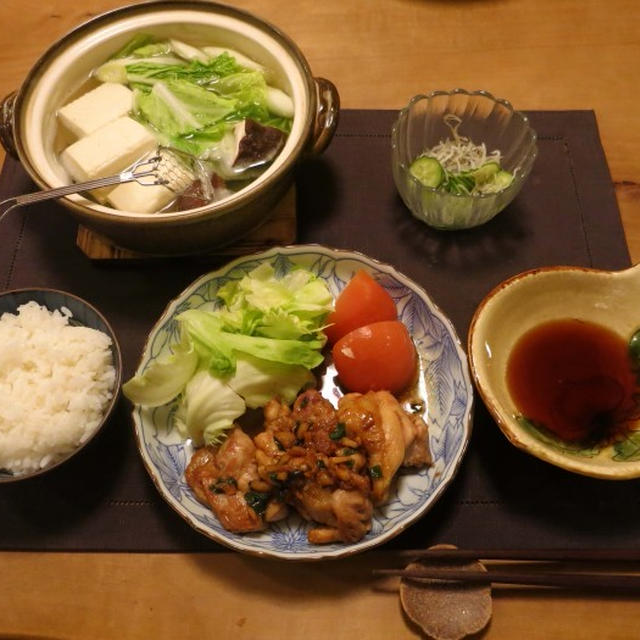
(444,384)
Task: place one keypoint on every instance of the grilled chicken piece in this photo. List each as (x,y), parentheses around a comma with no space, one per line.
(315,420)
(202,462)
(324,479)
(347,513)
(389,435)
(236,459)
(414,430)
(417,453)
(277,420)
(382,440)
(332,466)
(222,478)
(235,514)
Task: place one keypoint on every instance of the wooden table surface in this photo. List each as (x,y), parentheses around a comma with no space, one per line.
(540,54)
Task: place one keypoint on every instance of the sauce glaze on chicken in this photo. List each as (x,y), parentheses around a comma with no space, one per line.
(331,465)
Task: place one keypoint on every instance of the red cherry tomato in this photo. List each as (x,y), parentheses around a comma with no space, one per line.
(362,301)
(375,357)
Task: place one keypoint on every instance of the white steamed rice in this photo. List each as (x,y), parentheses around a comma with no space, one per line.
(55,383)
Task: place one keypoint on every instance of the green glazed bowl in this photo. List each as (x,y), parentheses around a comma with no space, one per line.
(606,298)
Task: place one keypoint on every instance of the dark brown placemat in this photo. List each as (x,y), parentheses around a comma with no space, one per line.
(566,214)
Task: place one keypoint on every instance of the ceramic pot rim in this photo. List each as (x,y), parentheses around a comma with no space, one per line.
(103,29)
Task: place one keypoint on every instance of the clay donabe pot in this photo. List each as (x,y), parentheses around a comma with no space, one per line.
(28,120)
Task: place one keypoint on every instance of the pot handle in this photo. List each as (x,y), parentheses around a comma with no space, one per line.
(7,138)
(328,110)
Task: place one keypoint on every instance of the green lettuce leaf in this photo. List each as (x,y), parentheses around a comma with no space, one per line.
(290,307)
(258,381)
(164,379)
(208,335)
(208,408)
(263,345)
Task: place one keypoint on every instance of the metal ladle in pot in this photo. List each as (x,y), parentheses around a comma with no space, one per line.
(147,172)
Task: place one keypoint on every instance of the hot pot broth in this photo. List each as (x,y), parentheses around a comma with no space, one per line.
(209,111)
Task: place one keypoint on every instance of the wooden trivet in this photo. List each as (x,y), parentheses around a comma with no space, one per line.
(280,229)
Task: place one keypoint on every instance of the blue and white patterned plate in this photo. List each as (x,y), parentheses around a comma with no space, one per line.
(444,382)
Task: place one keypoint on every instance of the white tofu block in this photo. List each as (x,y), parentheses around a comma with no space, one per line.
(97,107)
(108,150)
(139,198)
(100,195)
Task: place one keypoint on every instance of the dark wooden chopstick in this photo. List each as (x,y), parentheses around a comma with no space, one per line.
(523,574)
(577,580)
(559,555)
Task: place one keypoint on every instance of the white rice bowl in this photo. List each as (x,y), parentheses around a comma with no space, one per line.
(56,381)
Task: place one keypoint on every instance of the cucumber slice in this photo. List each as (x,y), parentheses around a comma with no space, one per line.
(502,180)
(428,171)
(485,172)
(461,184)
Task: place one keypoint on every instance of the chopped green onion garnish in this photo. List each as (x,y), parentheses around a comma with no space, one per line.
(257,501)
(375,472)
(339,431)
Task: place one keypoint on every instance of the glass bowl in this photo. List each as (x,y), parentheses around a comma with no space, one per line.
(484,119)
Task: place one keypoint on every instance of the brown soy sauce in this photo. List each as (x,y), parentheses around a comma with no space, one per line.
(575,379)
